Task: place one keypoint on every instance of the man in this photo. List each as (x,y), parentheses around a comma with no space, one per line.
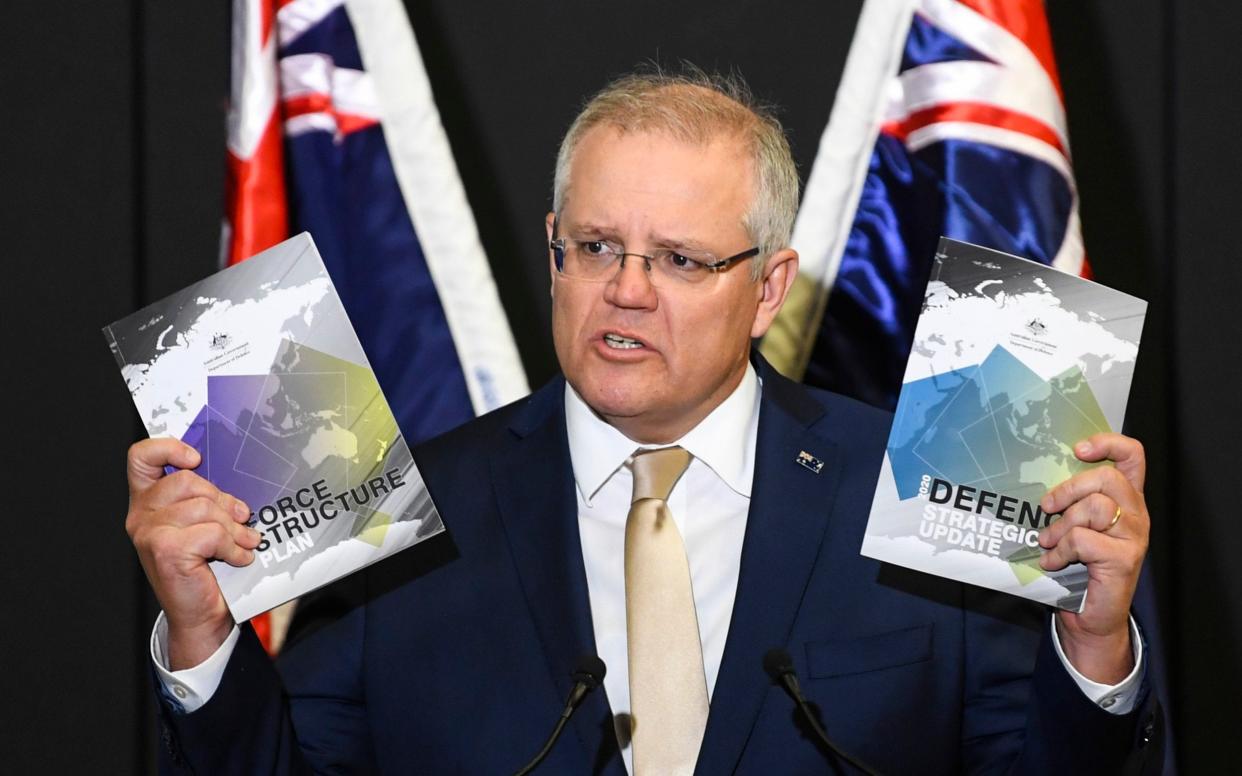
(648,508)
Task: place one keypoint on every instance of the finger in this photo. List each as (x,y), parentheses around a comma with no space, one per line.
(1078,545)
(215,541)
(186,485)
(1126,452)
(203,511)
(1096,512)
(179,486)
(1101,479)
(245,536)
(147,459)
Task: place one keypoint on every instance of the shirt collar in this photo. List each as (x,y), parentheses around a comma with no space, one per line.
(724,440)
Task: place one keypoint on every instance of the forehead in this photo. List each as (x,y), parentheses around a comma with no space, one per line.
(652,181)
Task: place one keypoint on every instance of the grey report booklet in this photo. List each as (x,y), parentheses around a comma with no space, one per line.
(258,368)
(1013,362)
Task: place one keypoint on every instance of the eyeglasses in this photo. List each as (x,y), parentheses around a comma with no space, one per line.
(598,261)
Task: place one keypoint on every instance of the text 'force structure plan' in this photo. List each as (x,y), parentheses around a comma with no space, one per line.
(1013,362)
(258,368)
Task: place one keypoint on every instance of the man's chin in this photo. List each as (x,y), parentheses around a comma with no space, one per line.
(609,406)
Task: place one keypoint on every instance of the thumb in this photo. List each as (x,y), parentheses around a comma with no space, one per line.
(147,459)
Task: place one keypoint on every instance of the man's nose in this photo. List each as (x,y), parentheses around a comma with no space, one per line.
(631,286)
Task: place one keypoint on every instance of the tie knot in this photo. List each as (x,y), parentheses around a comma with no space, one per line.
(657,471)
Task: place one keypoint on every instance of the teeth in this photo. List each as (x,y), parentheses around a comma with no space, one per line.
(624,343)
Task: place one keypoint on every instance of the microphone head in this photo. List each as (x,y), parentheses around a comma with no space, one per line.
(777,663)
(590,670)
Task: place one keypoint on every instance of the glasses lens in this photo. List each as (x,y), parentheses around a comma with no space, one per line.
(589,259)
(669,268)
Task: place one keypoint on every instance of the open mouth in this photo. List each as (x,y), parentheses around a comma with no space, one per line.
(617,342)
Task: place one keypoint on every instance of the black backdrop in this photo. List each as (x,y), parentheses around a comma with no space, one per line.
(112,191)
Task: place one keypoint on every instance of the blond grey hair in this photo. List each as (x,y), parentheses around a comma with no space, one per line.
(696,107)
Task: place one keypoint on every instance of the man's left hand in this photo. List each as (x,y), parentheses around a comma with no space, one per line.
(1105,526)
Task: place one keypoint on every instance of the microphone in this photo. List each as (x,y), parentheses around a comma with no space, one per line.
(588,674)
(779,666)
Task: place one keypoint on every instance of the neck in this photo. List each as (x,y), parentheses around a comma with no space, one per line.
(653,431)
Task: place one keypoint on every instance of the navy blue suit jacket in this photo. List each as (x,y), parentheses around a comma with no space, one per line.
(455,656)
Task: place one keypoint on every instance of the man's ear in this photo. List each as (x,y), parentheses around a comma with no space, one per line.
(550,224)
(778,277)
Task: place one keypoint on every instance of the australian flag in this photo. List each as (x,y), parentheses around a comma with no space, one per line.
(949,120)
(332,129)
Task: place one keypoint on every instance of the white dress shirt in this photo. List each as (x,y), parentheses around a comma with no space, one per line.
(709,504)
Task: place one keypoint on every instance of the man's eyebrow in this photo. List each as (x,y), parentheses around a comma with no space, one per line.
(678,244)
(589,230)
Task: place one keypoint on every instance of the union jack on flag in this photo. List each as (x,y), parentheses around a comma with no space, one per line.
(949,120)
(332,129)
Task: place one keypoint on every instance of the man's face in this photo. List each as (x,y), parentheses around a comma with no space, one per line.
(647,191)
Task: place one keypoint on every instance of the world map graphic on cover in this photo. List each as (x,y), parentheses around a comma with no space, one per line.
(258,368)
(1012,363)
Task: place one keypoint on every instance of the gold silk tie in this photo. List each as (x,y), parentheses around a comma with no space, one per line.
(668,690)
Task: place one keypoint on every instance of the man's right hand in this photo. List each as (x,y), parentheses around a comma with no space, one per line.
(178,523)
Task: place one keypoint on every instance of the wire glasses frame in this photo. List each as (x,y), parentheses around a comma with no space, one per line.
(593,261)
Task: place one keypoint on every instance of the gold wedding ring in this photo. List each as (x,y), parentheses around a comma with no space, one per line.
(1116,517)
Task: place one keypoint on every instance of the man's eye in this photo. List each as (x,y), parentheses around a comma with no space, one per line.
(684,263)
(595,248)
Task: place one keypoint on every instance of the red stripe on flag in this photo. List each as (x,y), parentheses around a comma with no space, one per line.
(1025,20)
(256,204)
(318,102)
(262,624)
(312,102)
(349,122)
(974,113)
(267,15)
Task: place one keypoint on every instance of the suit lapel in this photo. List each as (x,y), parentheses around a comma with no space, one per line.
(534,484)
(788,515)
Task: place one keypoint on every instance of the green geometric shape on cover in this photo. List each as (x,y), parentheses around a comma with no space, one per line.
(354,403)
(373,529)
(353,421)
(1037,431)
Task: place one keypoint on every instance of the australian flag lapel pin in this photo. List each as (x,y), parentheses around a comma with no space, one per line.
(808,461)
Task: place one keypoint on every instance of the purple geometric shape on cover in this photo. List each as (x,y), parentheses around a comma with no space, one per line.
(240,464)
(232,460)
(261,479)
(236,397)
(195,436)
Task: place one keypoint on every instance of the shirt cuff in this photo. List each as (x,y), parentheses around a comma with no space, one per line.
(188,690)
(1116,698)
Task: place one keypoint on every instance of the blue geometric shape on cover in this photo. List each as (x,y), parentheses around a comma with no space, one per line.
(958,425)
